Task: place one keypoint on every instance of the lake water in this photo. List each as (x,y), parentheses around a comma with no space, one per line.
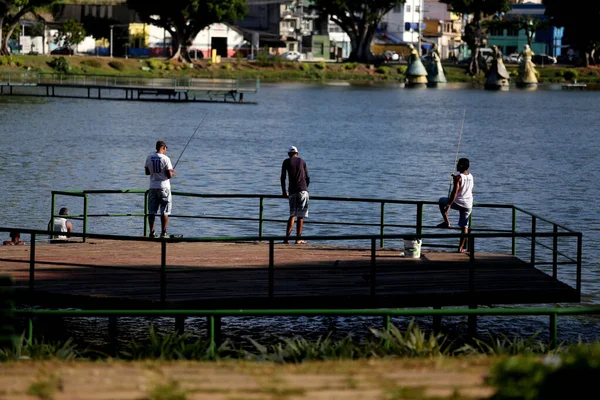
(535,149)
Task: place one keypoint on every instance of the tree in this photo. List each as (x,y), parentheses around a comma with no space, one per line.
(11,12)
(70,33)
(580,20)
(520,22)
(359,19)
(474,34)
(184,19)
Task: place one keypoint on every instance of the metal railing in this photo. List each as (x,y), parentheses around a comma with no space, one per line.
(18,78)
(215,315)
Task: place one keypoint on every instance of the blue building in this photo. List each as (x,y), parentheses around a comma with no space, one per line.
(545,41)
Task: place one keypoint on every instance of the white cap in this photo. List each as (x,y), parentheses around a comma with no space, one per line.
(292,149)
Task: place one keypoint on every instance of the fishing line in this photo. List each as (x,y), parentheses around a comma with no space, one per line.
(457,149)
(191,137)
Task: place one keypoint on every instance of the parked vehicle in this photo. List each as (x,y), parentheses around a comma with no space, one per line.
(511,58)
(63,50)
(543,59)
(291,56)
(392,55)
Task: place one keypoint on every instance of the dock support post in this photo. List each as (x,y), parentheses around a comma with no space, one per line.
(386,327)
(30,329)
(555,253)
(163,271)
(112,334)
(472,324)
(211,336)
(180,324)
(437,320)
(261,210)
(553,331)
(32,264)
(89,93)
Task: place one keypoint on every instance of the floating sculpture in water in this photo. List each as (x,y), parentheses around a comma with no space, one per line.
(416,75)
(527,77)
(435,71)
(497,78)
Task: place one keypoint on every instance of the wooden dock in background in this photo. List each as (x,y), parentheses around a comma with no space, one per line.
(139,88)
(127,274)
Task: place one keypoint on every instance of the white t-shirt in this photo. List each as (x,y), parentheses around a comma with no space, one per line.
(60,225)
(158,165)
(464,197)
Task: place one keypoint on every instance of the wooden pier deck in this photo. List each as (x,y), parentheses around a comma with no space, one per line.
(125,274)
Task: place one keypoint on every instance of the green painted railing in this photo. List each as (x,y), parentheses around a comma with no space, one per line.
(215,315)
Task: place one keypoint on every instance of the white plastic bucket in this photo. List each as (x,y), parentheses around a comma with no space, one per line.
(412,248)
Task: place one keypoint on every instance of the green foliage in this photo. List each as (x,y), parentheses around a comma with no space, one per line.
(592,73)
(70,33)
(411,343)
(118,65)
(383,70)
(402,69)
(227,66)
(570,74)
(92,63)
(155,64)
(170,390)
(173,346)
(186,18)
(60,64)
(298,349)
(571,374)
(320,65)
(45,387)
(350,65)
(560,73)
(40,350)
(502,345)
(304,67)
(11,61)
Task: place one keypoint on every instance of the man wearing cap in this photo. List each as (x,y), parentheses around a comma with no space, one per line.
(160,169)
(296,169)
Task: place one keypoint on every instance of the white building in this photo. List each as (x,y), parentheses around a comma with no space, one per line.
(402,23)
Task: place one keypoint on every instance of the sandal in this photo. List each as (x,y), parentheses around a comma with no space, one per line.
(442,225)
(301,242)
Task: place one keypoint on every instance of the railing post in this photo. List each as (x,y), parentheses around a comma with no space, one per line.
(163,271)
(382,224)
(85,217)
(51,223)
(533,223)
(555,252)
(32,264)
(271,267)
(553,331)
(471,241)
(211,335)
(145,213)
(261,210)
(180,324)
(419,218)
(514,230)
(30,329)
(373,266)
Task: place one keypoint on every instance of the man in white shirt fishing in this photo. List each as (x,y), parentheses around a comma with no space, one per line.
(160,169)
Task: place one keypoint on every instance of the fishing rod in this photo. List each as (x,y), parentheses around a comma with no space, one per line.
(191,137)
(457,149)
